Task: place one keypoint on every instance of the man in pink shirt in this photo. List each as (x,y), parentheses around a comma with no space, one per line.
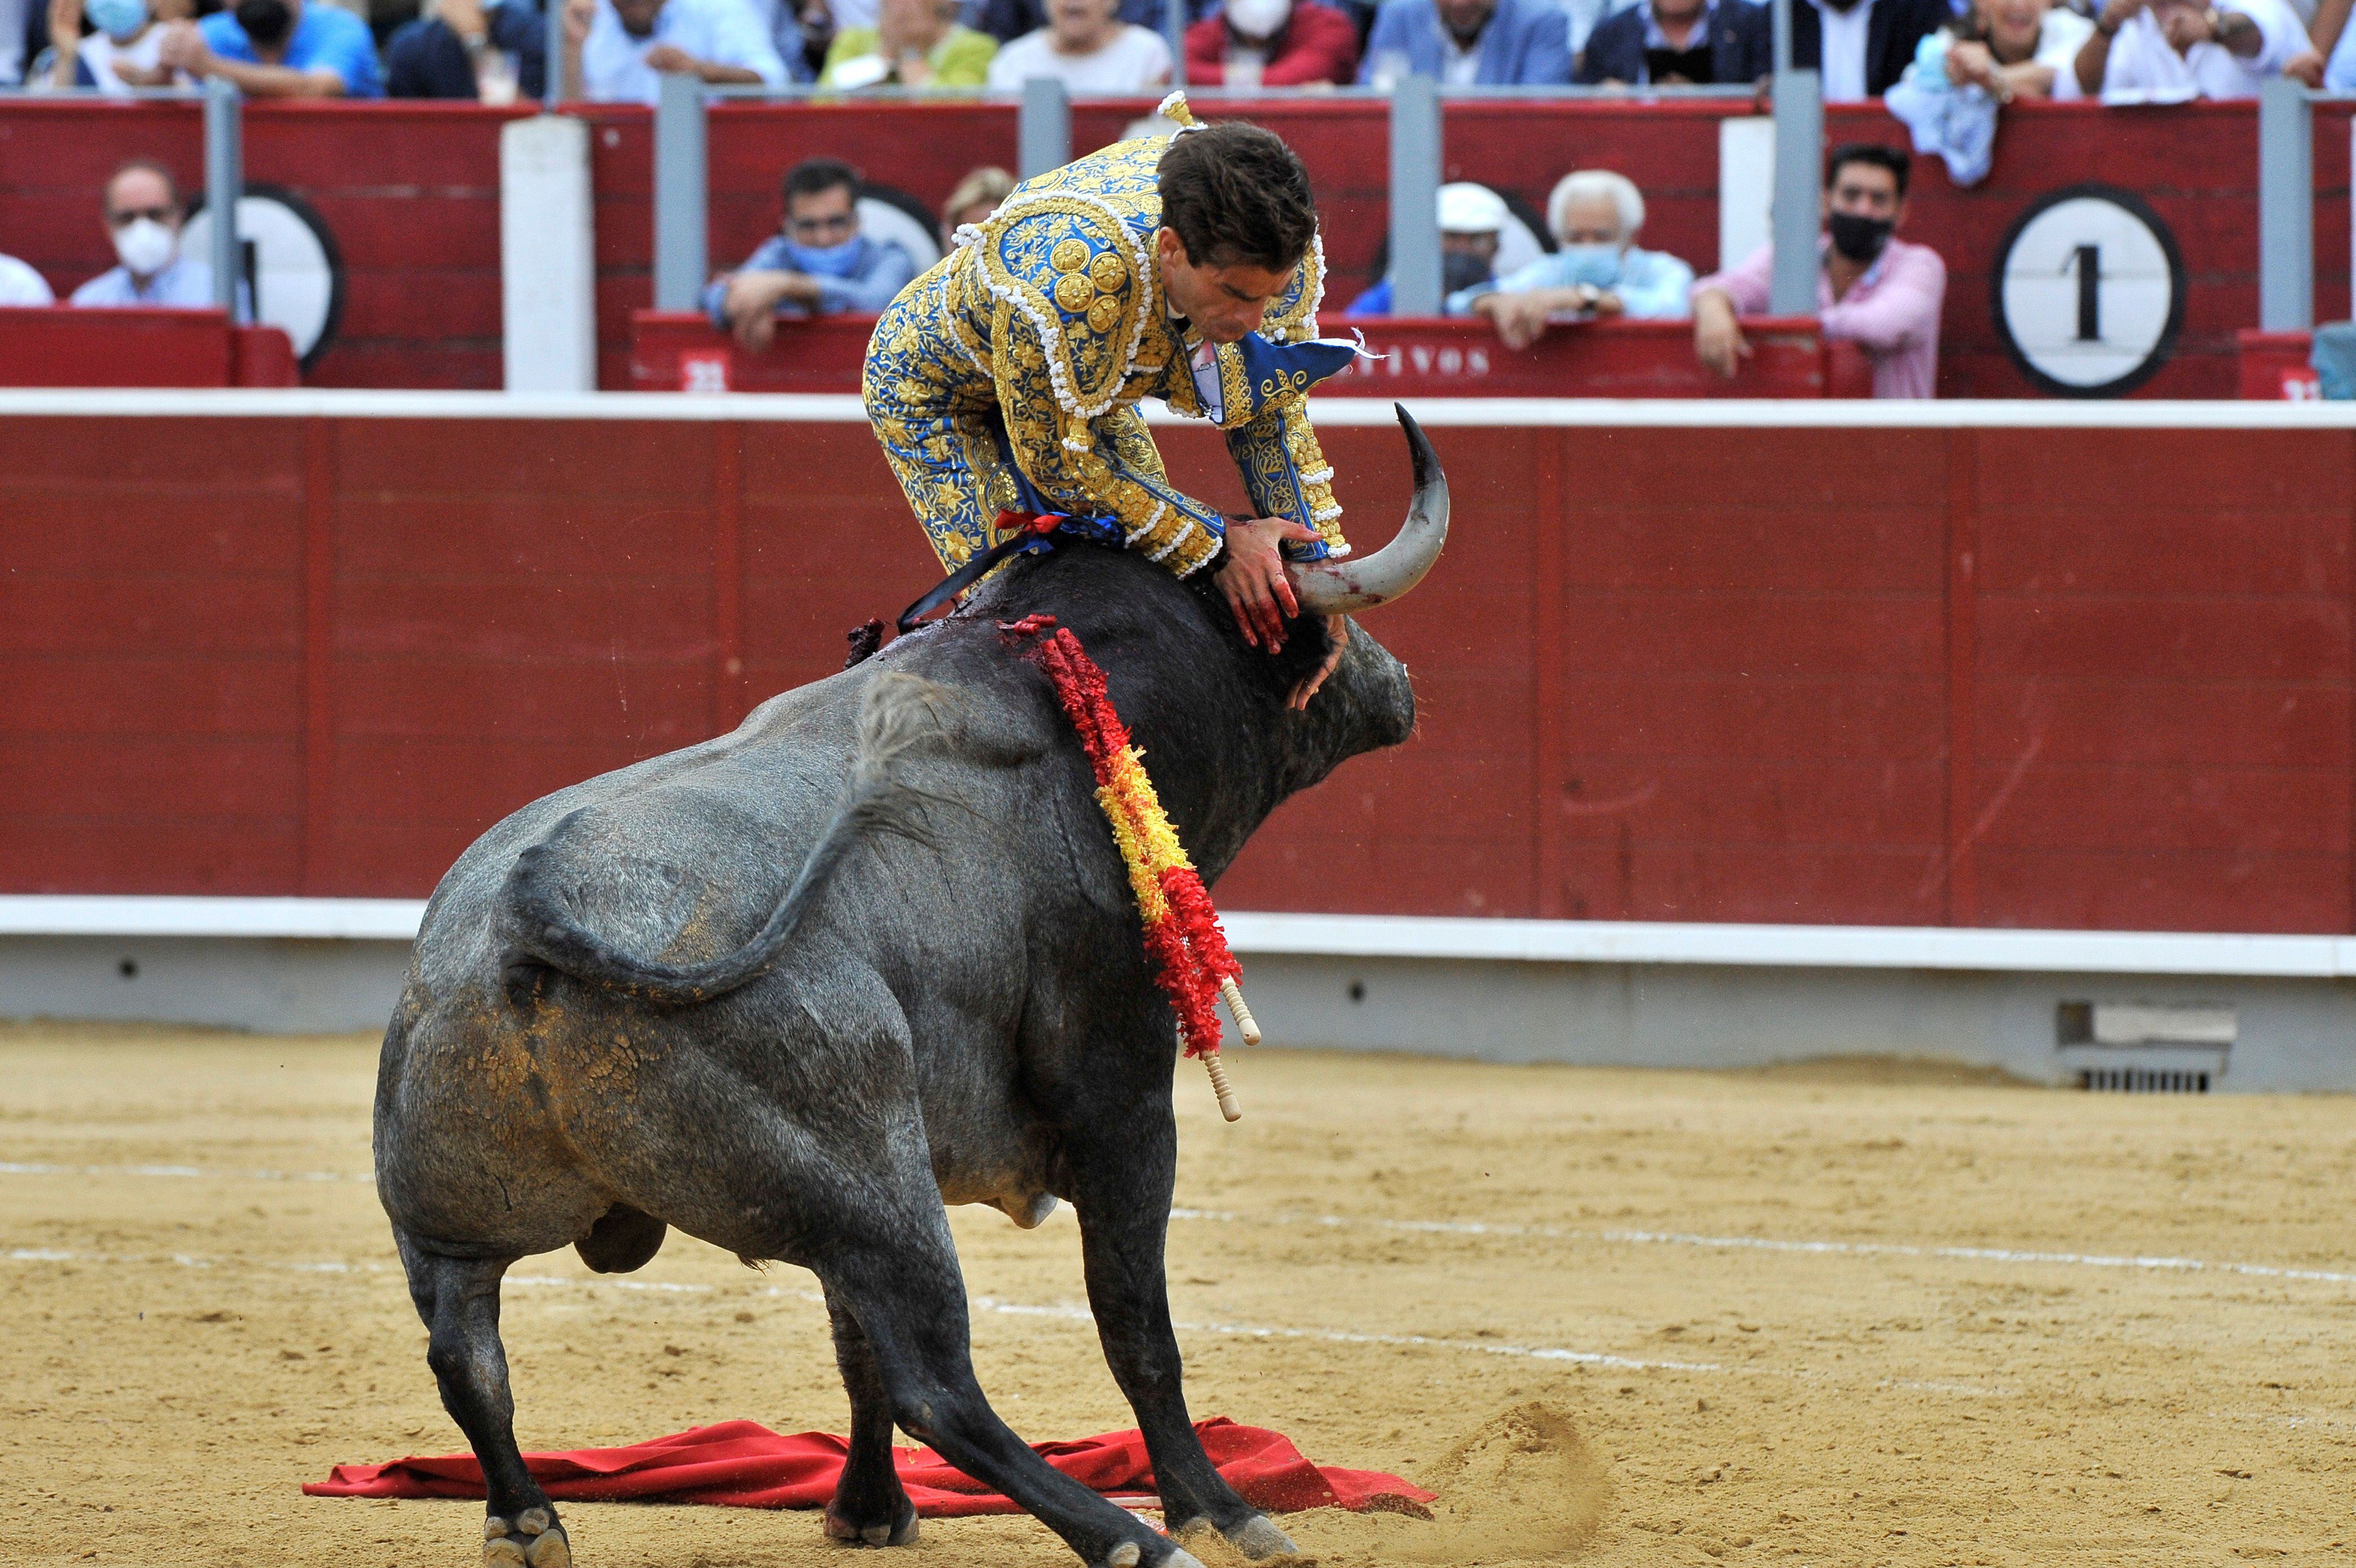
(1874,290)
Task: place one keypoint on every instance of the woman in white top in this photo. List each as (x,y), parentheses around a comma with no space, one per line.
(2017,49)
(120,54)
(1088,48)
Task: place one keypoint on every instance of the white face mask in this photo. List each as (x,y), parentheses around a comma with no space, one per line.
(1259,19)
(146,246)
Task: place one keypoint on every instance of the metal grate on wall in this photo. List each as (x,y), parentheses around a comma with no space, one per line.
(2144,1080)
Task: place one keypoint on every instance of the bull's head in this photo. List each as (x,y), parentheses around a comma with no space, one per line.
(1223,746)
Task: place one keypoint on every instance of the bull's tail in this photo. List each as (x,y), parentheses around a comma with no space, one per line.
(899,715)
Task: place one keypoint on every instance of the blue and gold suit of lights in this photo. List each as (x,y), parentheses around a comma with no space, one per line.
(1008,377)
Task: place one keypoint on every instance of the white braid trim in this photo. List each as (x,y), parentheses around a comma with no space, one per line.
(1142,529)
(1175,541)
(1322,477)
(1317,248)
(967,235)
(1051,333)
(1324,514)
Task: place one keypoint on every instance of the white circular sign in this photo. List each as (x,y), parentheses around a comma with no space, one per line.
(291,263)
(2089,292)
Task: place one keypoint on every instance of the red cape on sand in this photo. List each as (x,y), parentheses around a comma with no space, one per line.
(742,1463)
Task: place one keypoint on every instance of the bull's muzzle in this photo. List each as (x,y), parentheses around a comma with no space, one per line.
(1361,582)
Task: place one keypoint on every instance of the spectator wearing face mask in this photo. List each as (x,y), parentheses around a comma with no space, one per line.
(2168,52)
(1873,289)
(1861,47)
(489,52)
(144,215)
(1598,274)
(122,52)
(1277,42)
(278,49)
(1088,47)
(1487,43)
(1672,42)
(618,51)
(820,265)
(1471,218)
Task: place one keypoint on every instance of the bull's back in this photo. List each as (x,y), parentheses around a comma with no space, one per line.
(680,857)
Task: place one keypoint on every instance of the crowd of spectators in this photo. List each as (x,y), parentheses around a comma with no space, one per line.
(1930,58)
(2122,50)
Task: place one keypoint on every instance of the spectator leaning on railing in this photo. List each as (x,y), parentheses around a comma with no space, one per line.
(1873,289)
(619,50)
(915,43)
(819,265)
(1598,273)
(1088,47)
(2333,41)
(1697,42)
(2166,51)
(1861,47)
(278,49)
(467,49)
(1487,43)
(1277,42)
(144,216)
(123,51)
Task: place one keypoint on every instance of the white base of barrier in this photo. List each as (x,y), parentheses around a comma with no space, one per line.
(2249,1012)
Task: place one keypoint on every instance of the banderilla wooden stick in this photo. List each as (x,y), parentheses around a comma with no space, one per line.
(1244,1020)
(1228,1106)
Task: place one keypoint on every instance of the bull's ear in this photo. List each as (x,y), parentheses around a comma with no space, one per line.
(1360,583)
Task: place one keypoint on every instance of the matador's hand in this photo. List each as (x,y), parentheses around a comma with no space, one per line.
(1252,579)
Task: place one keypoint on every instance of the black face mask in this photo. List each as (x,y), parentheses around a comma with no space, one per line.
(266,22)
(1859,239)
(1461,269)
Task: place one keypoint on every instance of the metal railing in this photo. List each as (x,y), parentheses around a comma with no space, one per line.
(225,184)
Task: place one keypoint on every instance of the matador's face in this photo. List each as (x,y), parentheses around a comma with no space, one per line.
(1222,303)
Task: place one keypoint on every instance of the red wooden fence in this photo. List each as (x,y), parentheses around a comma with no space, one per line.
(2092,677)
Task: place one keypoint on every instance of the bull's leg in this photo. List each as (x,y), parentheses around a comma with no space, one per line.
(870,1503)
(1122,1195)
(459,1300)
(903,1287)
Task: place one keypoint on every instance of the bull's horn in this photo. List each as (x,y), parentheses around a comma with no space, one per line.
(1360,583)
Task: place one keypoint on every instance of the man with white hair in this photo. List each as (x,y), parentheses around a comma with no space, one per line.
(1471,219)
(1598,274)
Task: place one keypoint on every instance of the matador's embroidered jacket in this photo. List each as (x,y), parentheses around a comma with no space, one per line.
(1008,376)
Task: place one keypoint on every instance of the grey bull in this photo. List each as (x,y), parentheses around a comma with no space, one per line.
(797,988)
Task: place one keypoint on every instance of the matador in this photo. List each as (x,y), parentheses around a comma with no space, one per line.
(1005,382)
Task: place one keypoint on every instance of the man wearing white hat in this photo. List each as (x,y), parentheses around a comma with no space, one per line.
(1471,219)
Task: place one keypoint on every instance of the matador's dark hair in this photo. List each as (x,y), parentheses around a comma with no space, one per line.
(1237,194)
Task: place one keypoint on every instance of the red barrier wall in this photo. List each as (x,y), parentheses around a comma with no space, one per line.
(1992,676)
(678,352)
(411,191)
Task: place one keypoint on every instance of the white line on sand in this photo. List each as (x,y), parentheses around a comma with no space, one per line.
(1456,1228)
(1772,1244)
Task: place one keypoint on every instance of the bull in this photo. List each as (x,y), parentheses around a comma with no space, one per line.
(794,990)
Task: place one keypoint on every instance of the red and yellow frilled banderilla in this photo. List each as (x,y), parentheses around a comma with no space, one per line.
(1189,952)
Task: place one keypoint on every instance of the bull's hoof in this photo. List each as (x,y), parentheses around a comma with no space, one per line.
(1257,1537)
(1129,1555)
(531,1539)
(899,1531)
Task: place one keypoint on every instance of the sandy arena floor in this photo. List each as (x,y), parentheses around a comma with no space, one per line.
(1855,1314)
